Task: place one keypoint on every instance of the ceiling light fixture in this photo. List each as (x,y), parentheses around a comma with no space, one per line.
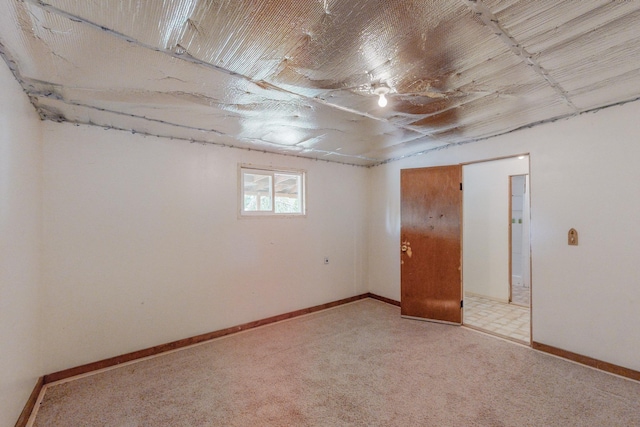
(381,90)
(382,101)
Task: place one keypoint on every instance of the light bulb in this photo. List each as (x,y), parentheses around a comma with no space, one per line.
(382,101)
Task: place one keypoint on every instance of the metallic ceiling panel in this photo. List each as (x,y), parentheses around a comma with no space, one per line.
(298,77)
(351,160)
(53,109)
(406,149)
(619,89)
(159,24)
(179,108)
(607,53)
(583,45)
(173,95)
(542,24)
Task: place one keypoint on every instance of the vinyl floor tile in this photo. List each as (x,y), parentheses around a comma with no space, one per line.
(508,320)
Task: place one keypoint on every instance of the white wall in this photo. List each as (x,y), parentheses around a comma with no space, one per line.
(585,299)
(20,246)
(143,245)
(485,226)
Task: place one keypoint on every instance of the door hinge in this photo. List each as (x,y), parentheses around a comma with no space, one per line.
(461,303)
(460,186)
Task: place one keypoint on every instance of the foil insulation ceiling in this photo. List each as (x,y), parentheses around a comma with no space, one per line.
(297,77)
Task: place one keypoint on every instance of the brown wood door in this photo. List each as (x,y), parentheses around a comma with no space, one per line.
(430,243)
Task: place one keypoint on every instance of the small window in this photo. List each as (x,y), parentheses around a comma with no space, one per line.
(271,192)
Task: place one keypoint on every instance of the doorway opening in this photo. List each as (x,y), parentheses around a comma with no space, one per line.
(496,248)
(519,255)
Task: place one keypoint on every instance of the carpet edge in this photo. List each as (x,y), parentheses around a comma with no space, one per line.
(384,299)
(588,361)
(162,348)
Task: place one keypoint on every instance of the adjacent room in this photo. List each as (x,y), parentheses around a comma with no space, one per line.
(319,212)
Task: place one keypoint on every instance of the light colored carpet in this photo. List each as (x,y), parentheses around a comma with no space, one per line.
(355,365)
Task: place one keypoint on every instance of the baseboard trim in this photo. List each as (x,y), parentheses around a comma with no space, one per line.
(162,348)
(152,351)
(31,404)
(384,299)
(589,361)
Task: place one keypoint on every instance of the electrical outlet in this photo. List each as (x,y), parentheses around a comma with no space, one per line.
(326,260)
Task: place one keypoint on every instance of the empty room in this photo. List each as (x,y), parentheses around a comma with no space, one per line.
(319,212)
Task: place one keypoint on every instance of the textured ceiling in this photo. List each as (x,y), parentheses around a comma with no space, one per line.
(297,77)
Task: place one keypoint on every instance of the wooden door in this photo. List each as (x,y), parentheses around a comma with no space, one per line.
(430,243)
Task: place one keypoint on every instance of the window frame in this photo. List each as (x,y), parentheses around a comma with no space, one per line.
(272,171)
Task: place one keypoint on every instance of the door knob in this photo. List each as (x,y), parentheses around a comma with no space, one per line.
(404,248)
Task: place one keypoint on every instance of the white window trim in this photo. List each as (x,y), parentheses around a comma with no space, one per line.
(272,170)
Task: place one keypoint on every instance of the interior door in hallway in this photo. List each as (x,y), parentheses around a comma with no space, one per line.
(430,243)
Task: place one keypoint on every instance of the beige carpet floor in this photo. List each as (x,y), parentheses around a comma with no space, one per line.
(355,365)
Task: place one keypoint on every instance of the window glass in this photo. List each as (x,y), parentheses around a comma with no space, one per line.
(275,192)
(257,192)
